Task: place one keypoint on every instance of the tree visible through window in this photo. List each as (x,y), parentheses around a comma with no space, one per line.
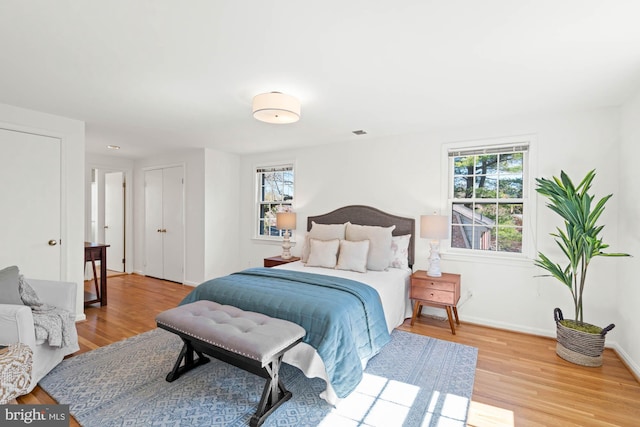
(487,198)
(275,194)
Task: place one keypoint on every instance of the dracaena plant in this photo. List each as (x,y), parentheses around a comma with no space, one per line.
(580,239)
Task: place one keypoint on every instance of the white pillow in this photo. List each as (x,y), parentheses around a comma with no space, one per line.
(322,232)
(323,253)
(353,256)
(379,243)
(400,251)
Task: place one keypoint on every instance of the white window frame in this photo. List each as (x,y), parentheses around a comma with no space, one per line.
(258,199)
(528,199)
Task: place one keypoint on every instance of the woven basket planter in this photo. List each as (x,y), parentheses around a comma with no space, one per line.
(581,348)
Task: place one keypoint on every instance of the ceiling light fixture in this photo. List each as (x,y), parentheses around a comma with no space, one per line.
(276,107)
(113,147)
(359,132)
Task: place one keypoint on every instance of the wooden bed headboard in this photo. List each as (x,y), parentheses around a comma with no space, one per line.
(366,215)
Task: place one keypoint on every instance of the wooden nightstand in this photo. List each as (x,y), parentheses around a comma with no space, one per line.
(441,291)
(277,260)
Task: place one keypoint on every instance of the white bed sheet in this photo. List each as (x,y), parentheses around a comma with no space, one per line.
(392,286)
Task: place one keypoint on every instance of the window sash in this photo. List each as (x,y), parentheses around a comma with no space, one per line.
(491,236)
(271,197)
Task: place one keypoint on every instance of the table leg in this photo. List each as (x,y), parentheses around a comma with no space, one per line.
(453,328)
(455,312)
(103,276)
(416,311)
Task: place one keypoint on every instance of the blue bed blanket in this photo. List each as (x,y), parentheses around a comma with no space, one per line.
(343,318)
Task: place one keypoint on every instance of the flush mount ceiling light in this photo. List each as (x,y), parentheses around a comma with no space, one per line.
(276,107)
(113,147)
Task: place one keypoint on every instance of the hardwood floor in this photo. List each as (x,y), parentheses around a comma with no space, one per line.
(519,379)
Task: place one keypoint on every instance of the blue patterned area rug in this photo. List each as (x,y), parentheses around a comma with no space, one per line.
(414,381)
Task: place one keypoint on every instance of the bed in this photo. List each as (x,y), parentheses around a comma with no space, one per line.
(348,312)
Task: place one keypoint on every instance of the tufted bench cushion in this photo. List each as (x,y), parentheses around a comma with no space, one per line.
(249,334)
(248,340)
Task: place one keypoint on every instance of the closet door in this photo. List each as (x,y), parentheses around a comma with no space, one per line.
(172,223)
(164,227)
(30,191)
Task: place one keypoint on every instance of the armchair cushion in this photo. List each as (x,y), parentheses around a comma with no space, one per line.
(9,286)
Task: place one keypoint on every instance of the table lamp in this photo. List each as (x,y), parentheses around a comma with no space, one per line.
(286,221)
(436,228)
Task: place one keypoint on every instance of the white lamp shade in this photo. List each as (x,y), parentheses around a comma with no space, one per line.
(276,107)
(285,221)
(434,227)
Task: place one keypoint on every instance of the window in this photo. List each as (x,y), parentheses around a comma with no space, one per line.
(274,194)
(488,198)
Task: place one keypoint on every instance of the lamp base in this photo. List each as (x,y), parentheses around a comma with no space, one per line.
(286,246)
(434,260)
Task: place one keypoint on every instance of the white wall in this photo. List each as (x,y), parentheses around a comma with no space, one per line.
(71,133)
(628,295)
(210,184)
(402,175)
(222,214)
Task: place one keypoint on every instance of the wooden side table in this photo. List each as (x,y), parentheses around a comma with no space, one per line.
(97,252)
(441,291)
(277,260)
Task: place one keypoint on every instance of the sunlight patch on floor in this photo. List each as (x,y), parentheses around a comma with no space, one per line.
(483,415)
(380,402)
(376,402)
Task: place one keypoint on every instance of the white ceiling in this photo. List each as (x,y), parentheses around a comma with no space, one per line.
(152,75)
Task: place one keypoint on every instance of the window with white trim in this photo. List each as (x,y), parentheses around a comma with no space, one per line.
(488,198)
(274,194)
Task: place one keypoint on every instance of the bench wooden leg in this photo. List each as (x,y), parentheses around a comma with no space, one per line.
(186,354)
(273,395)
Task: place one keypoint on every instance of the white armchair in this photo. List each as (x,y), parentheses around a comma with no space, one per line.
(16,325)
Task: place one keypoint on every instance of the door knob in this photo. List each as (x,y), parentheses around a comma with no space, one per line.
(106,226)
(159,230)
(53,242)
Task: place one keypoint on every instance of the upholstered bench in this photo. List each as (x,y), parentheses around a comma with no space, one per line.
(251,341)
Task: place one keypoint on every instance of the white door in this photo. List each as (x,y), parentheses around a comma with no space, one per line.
(172,223)
(30,213)
(164,228)
(114,219)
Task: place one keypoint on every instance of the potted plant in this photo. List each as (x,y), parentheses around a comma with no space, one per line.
(580,242)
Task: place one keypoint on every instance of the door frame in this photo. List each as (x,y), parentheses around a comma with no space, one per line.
(184,211)
(128,208)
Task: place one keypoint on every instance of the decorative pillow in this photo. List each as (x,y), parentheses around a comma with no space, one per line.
(400,251)
(322,232)
(353,256)
(379,243)
(9,293)
(323,253)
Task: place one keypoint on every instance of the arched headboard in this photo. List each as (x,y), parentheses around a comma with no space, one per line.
(366,215)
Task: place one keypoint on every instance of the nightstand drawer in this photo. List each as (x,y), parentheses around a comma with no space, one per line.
(432,284)
(430,294)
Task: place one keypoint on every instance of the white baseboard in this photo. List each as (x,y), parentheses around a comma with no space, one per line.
(633,366)
(511,327)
